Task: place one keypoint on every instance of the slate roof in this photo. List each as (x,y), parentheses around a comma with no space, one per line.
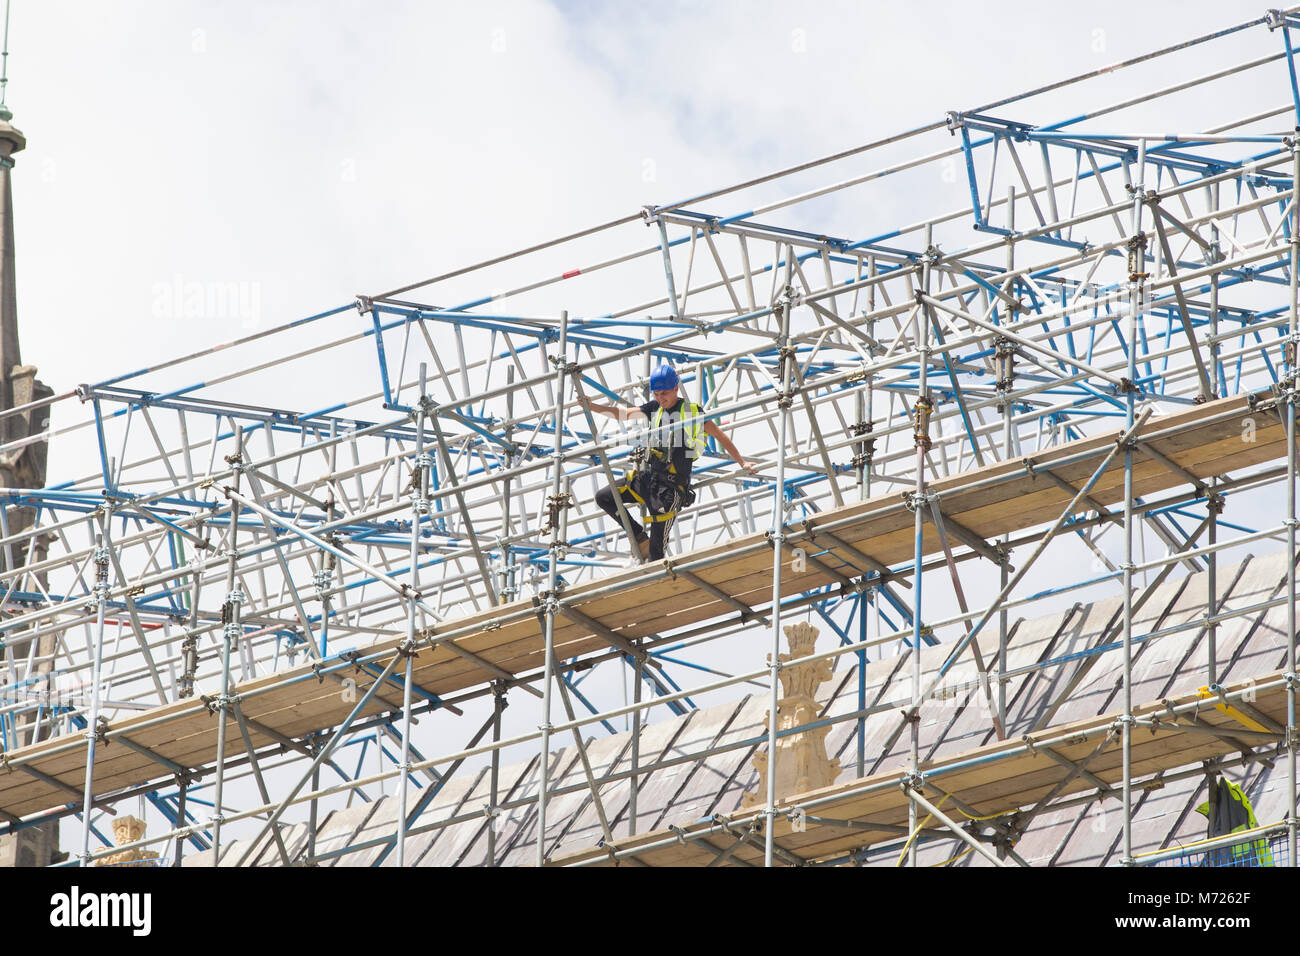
(1061,674)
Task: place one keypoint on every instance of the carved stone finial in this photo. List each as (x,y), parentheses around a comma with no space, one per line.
(801,761)
(129,830)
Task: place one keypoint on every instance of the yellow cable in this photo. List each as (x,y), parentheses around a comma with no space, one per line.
(966,852)
(991,816)
(919,827)
(1248,836)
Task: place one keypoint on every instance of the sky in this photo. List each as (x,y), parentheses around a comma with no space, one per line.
(298,154)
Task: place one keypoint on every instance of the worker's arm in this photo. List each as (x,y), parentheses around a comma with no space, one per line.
(621,412)
(710,428)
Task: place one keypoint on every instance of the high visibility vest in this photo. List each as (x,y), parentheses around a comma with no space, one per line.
(692,434)
(1232,814)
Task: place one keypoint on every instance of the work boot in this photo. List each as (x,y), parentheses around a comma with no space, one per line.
(644,547)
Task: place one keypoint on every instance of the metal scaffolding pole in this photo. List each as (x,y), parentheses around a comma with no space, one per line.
(506,589)
(1005,358)
(785,400)
(183,785)
(862,454)
(419,508)
(1291,409)
(494,774)
(1137,272)
(1213,507)
(638,669)
(921,410)
(550,601)
(92,727)
(230,633)
(313,747)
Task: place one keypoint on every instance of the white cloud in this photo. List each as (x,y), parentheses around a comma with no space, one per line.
(318,150)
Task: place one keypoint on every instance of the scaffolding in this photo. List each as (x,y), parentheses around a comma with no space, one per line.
(263,571)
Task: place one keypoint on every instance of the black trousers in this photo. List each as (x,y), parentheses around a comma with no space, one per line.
(657,493)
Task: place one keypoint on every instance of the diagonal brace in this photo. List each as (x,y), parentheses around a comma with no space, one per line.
(325,751)
(965,837)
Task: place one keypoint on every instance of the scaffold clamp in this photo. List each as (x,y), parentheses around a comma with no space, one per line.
(914,501)
(1137,246)
(921,412)
(554,505)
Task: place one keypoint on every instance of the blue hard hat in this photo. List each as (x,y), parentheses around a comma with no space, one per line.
(664,378)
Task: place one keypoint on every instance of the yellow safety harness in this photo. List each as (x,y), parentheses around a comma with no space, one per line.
(693,433)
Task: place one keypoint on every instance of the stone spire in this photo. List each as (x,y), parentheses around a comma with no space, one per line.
(11,141)
(22,467)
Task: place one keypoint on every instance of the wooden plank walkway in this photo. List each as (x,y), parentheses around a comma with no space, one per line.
(996,779)
(1206,440)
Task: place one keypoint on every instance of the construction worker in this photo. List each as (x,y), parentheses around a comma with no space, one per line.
(1229,811)
(676,439)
